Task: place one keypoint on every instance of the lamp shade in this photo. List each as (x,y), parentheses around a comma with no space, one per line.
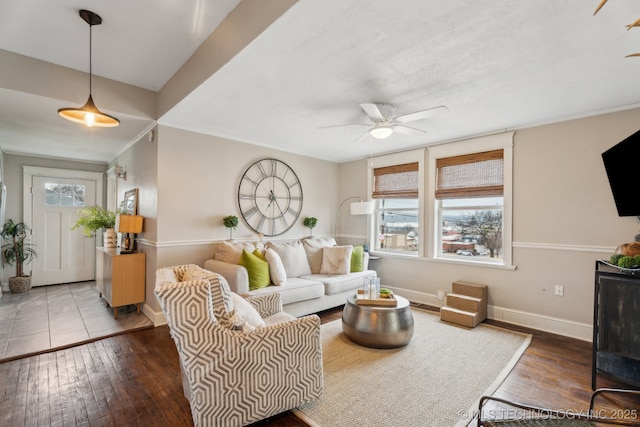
(362,208)
(129,223)
(89,115)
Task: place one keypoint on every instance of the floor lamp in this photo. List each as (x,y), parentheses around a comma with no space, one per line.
(357,208)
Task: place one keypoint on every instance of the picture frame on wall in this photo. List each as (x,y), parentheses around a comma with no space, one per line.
(130,202)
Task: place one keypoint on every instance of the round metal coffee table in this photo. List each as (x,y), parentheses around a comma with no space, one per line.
(378,326)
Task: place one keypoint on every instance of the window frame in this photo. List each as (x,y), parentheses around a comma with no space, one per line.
(502,141)
(410,156)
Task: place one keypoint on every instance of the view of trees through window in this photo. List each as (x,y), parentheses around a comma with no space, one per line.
(64,194)
(397,225)
(472,228)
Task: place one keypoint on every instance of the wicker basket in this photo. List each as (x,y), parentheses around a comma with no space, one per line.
(20,284)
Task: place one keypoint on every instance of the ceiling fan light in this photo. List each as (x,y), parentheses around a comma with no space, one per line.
(381,132)
(89,115)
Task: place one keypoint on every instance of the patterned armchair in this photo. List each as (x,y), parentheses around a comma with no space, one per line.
(233,374)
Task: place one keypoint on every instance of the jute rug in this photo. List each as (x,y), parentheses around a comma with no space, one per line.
(436,380)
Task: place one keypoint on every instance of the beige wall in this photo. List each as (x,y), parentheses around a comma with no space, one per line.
(564,218)
(197,184)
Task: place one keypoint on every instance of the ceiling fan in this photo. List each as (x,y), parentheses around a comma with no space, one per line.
(384,122)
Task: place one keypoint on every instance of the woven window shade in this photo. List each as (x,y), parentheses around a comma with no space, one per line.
(398,181)
(470,175)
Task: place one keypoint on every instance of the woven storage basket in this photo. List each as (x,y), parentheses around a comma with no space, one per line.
(19,284)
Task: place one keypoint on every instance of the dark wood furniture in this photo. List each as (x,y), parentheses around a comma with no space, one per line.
(616,324)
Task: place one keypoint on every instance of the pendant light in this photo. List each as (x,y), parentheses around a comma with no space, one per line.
(89,114)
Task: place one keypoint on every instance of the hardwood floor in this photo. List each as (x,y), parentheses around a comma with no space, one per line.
(134,380)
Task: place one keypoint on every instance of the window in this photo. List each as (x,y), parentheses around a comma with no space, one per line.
(64,194)
(470,193)
(397,209)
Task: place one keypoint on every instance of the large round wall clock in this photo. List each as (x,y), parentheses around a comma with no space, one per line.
(270,197)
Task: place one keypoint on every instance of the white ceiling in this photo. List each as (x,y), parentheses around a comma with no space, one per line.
(504,64)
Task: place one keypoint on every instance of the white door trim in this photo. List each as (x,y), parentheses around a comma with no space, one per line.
(29,172)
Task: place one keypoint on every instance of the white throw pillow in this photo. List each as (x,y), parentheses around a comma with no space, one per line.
(336,260)
(313,247)
(276,269)
(293,256)
(245,316)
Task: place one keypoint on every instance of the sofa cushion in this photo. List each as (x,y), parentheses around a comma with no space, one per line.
(336,260)
(232,251)
(293,256)
(257,269)
(313,248)
(297,289)
(276,269)
(357,259)
(336,284)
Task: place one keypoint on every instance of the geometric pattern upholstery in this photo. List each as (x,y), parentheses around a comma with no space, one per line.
(235,378)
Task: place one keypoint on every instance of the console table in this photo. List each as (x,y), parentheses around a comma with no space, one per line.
(120,278)
(616,324)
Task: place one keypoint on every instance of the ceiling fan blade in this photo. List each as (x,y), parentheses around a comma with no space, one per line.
(419,115)
(372,111)
(406,130)
(358,138)
(344,126)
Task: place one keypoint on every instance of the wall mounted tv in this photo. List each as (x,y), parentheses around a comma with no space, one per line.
(621,163)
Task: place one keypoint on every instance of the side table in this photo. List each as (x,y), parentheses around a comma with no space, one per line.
(378,326)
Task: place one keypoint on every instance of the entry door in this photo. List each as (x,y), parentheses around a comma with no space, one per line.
(64,255)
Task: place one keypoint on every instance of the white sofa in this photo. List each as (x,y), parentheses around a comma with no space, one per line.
(316,278)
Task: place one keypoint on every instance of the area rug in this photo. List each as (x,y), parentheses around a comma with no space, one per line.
(436,380)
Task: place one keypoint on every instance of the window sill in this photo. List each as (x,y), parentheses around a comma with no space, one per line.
(465,262)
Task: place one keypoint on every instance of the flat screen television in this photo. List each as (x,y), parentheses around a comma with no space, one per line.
(622,163)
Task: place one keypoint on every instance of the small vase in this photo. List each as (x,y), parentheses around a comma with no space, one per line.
(110,238)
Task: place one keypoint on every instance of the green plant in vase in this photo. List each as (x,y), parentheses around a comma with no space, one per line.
(17,251)
(310,222)
(93,218)
(231,222)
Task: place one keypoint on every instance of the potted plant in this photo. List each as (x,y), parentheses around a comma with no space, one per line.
(310,222)
(17,251)
(93,218)
(231,222)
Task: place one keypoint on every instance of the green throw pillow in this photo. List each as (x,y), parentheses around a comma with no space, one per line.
(357,259)
(258,270)
(259,254)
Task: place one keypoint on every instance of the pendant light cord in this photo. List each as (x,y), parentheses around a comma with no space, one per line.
(90,56)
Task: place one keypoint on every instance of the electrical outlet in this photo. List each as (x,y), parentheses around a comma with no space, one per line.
(441,295)
(559,290)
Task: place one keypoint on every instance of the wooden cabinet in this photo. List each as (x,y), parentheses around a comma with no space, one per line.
(120,278)
(616,324)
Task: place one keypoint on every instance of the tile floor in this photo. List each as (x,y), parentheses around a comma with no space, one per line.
(48,317)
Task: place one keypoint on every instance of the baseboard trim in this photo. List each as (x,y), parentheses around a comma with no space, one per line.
(564,327)
(157,317)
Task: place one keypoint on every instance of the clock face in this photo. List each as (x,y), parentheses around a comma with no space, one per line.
(270,197)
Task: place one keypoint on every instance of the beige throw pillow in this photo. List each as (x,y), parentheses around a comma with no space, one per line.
(276,269)
(232,252)
(313,247)
(336,260)
(293,256)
